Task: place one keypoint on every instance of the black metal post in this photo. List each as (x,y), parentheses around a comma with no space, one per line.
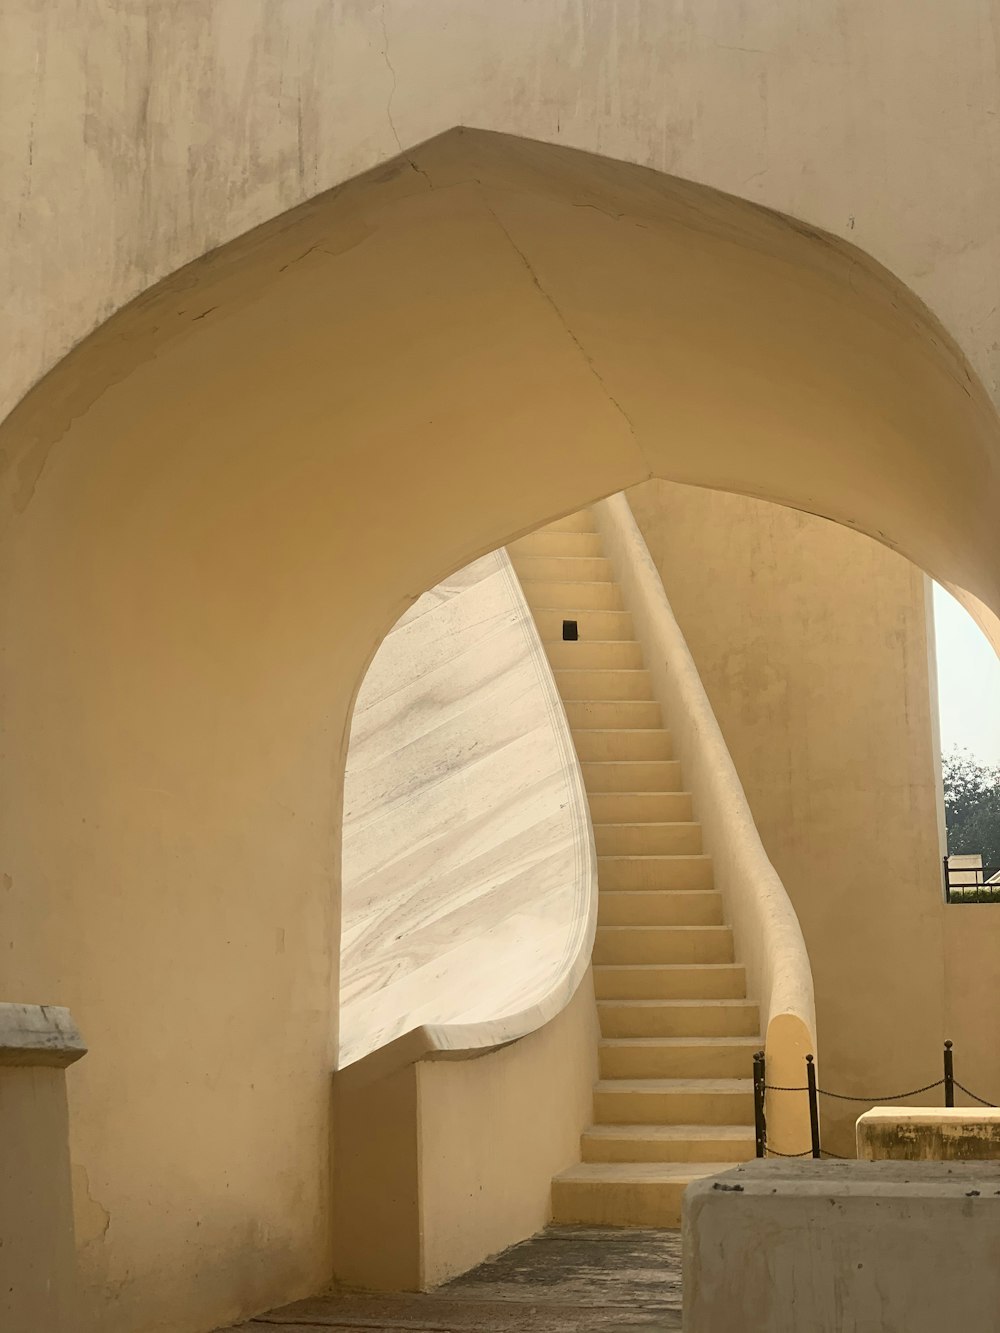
(947,882)
(813,1104)
(760,1125)
(949,1075)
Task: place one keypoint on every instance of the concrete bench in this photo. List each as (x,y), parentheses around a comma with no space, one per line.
(843,1247)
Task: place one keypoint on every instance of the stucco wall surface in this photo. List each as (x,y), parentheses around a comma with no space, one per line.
(811,642)
(444,1162)
(971,985)
(216,507)
(469,877)
(135,137)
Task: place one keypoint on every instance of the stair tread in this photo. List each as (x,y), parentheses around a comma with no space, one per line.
(590,671)
(643,1172)
(683,1043)
(661,1085)
(671,1133)
(679,1004)
(646,824)
(629,792)
(670,967)
(656,856)
(652,894)
(644,929)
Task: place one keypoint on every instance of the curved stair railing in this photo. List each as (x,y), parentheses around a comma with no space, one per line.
(772,948)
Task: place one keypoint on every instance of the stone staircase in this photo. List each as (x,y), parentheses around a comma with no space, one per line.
(675,1100)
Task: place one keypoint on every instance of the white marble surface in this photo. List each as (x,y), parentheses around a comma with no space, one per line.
(469,881)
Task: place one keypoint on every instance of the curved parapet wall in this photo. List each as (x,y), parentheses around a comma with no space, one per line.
(469,883)
(772,949)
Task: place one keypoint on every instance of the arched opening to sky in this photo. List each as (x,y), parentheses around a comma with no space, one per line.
(968,671)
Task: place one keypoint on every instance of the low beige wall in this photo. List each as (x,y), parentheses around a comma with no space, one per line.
(494,1131)
(37,1260)
(38,1273)
(445,1162)
(929,1134)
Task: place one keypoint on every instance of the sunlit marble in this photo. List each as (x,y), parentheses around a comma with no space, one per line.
(469,882)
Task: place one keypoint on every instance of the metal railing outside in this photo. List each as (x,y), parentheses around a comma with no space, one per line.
(761,1087)
(971,883)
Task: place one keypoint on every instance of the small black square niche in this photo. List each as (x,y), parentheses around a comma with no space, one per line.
(570,631)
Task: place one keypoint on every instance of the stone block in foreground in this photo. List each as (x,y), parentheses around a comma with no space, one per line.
(843,1247)
(929,1134)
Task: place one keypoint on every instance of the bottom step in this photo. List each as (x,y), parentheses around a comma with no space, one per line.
(626,1194)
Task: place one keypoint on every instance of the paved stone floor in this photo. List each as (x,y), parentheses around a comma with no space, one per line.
(565,1280)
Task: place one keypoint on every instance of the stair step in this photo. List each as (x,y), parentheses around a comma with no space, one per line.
(594,655)
(604,683)
(674,1101)
(663,944)
(592,625)
(666,908)
(627,714)
(563,568)
(630,743)
(678,1039)
(667,1143)
(632,1194)
(670,981)
(640,807)
(631,774)
(655,872)
(678,1018)
(547,541)
(562,595)
(666,839)
(677,1057)
(581,521)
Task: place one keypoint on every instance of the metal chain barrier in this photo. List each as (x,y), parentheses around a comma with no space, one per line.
(877,1101)
(980,1100)
(760,1087)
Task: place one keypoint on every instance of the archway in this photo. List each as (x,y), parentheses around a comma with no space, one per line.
(220,501)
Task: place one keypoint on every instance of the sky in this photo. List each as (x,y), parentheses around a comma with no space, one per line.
(968,682)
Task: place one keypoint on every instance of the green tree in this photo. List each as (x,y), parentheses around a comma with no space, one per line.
(972,806)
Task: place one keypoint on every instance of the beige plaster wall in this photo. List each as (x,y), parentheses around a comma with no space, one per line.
(972,984)
(494,1131)
(811,642)
(215,508)
(134,138)
(447,1161)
